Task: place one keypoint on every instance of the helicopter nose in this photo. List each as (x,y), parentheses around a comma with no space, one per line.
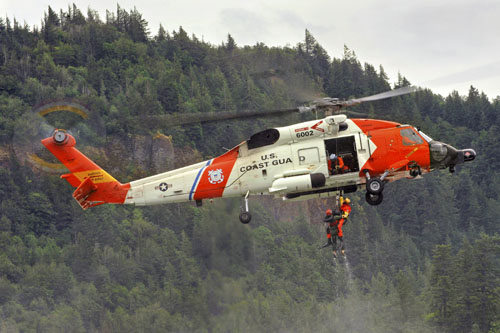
(446,156)
(462,156)
(468,154)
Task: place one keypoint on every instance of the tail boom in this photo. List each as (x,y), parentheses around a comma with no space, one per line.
(94,185)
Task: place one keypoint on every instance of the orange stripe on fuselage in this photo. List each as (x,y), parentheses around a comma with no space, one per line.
(207,187)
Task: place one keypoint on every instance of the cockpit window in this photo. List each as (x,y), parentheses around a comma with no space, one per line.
(265,138)
(425,136)
(410,138)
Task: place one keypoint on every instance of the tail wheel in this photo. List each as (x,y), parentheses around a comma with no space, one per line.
(415,171)
(374,199)
(375,185)
(245,217)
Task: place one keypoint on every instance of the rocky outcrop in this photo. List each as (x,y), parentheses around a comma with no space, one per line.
(145,155)
(162,153)
(186,156)
(5,153)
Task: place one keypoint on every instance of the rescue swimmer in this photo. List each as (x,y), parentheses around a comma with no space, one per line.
(334,224)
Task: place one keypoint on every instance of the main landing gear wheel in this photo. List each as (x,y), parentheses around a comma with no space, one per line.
(374,185)
(374,199)
(245,217)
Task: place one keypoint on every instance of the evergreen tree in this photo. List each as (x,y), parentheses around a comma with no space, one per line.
(442,286)
(181,268)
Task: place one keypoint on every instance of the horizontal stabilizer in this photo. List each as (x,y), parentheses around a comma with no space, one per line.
(72,179)
(83,192)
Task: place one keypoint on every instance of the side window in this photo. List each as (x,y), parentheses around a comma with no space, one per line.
(410,138)
(308,156)
(265,138)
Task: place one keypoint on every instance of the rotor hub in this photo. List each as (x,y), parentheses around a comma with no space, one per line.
(59,137)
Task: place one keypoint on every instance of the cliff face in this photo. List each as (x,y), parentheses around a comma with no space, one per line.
(4,154)
(136,155)
(162,155)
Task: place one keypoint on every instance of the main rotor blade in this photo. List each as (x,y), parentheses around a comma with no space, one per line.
(205,117)
(354,113)
(384,95)
(193,118)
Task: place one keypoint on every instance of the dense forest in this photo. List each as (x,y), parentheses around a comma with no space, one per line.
(426,260)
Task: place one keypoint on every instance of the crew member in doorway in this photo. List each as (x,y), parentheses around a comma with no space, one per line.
(336,165)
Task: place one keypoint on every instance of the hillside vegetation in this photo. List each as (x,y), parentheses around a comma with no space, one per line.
(426,260)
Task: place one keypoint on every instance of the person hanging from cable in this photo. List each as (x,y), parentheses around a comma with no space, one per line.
(345,210)
(345,207)
(328,219)
(334,224)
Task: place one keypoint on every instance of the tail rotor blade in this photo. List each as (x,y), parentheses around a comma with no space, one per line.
(35,125)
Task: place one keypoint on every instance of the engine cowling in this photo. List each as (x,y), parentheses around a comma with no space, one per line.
(298,183)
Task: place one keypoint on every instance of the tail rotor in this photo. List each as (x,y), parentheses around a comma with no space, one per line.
(56,118)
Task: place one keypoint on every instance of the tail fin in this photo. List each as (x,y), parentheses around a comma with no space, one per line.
(94,185)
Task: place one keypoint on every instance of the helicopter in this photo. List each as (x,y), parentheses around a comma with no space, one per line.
(291,162)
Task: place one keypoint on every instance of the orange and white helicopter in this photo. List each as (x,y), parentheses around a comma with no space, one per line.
(293,163)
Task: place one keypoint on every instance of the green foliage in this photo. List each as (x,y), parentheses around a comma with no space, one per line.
(464,287)
(181,268)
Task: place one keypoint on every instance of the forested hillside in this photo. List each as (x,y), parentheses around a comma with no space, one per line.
(426,260)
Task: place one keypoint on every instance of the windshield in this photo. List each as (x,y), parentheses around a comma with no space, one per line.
(410,138)
(425,136)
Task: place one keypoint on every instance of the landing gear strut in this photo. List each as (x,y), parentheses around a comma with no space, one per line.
(245,216)
(374,188)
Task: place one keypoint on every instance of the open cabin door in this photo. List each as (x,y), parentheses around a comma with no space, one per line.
(344,147)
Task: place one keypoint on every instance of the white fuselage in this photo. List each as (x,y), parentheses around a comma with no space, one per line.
(276,167)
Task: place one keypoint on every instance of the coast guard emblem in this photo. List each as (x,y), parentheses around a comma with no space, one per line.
(215,176)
